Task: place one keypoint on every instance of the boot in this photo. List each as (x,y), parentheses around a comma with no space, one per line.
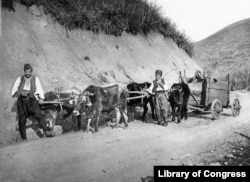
(39,133)
(160,122)
(49,134)
(165,124)
(165,117)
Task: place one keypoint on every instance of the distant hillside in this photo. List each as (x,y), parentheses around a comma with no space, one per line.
(227,51)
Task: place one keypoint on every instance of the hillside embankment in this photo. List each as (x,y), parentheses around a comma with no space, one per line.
(76,61)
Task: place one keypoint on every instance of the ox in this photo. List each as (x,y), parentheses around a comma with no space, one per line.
(178,99)
(96,100)
(53,112)
(135,102)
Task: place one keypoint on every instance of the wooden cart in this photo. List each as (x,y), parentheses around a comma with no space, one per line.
(211,94)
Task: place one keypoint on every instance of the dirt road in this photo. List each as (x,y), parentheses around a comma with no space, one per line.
(123,155)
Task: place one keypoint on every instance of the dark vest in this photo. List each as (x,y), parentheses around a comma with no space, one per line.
(155,84)
(32,85)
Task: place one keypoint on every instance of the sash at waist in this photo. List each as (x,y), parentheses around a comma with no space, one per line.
(25,93)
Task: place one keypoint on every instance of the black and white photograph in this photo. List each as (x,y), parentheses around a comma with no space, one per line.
(124,90)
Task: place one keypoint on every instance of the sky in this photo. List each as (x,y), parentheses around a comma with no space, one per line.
(202,18)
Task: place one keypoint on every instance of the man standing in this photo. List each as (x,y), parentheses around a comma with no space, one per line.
(159,88)
(28,90)
(198,77)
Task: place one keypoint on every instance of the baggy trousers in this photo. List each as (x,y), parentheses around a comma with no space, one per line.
(29,106)
(162,106)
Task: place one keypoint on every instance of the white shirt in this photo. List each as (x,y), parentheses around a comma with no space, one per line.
(39,89)
(159,88)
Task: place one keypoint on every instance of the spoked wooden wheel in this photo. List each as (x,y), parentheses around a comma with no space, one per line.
(216,109)
(236,107)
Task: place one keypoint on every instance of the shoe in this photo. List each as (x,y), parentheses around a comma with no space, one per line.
(160,123)
(49,134)
(39,133)
(165,124)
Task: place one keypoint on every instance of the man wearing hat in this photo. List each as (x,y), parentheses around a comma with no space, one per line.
(198,77)
(159,88)
(28,90)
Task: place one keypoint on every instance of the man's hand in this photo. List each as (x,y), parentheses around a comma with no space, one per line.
(160,83)
(148,93)
(40,101)
(16,94)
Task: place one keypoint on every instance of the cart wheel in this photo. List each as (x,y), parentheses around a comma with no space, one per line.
(216,109)
(236,107)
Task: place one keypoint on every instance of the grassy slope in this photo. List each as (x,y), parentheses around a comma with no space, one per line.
(111,17)
(227,51)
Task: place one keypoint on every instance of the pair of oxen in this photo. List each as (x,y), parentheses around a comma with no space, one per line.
(178,96)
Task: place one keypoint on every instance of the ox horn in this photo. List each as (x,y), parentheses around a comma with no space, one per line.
(90,94)
(87,93)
